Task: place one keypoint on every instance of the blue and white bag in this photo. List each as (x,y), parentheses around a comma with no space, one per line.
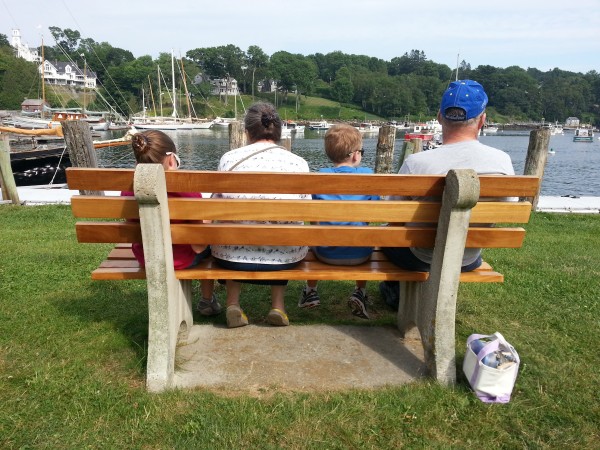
(491,365)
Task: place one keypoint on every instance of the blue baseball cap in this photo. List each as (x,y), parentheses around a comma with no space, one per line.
(467,95)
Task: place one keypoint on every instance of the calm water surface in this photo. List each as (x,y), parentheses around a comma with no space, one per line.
(574,168)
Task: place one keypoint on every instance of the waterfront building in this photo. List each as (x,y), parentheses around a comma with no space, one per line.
(22,50)
(57,72)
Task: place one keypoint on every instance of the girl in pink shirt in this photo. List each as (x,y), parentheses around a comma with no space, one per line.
(155,147)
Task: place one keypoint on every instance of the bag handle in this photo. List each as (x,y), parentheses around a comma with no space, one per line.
(496,340)
(251,155)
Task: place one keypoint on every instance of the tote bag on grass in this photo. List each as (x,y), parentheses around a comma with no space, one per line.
(491,365)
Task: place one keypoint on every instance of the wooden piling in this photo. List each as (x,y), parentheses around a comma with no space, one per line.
(7,179)
(78,140)
(237,136)
(286,142)
(384,156)
(537,155)
(408,148)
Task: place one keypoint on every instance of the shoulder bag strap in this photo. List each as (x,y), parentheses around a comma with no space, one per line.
(251,155)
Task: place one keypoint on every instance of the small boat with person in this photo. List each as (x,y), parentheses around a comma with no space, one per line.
(583,135)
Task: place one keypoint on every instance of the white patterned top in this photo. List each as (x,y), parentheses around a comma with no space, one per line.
(276,159)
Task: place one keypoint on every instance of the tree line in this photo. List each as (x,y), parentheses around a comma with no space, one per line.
(410,85)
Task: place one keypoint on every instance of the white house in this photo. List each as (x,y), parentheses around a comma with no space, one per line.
(219,86)
(267,86)
(22,50)
(59,73)
(572,122)
(68,74)
(224,86)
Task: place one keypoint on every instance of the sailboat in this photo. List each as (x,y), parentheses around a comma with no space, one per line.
(174,122)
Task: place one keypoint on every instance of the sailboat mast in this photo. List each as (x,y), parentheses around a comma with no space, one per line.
(174,114)
(159,90)
(84,82)
(43,80)
(457,58)
(187,95)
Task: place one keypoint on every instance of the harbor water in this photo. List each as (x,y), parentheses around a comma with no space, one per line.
(572,169)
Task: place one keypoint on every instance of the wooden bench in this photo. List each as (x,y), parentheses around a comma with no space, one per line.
(428,300)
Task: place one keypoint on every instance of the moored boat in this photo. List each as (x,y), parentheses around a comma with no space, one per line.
(169,123)
(290,127)
(583,135)
(489,129)
(27,122)
(319,126)
(367,127)
(556,129)
(222,122)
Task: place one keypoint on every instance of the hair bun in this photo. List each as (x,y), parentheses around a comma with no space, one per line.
(139,142)
(266,119)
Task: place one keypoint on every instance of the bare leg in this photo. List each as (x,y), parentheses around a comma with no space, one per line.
(277,315)
(233,292)
(312,284)
(277,297)
(235,315)
(207,288)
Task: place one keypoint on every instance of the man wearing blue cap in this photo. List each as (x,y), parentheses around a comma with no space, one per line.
(462,115)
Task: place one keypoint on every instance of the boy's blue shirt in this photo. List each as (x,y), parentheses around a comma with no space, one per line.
(345,252)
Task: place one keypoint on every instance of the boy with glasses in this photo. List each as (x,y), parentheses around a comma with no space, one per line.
(343,146)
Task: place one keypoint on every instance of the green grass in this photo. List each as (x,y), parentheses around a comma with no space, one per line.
(309,108)
(72,357)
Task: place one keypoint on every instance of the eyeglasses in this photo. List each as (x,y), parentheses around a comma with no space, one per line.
(361,151)
(176,158)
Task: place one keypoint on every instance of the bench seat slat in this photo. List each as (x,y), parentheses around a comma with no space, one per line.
(119,273)
(377,269)
(123,251)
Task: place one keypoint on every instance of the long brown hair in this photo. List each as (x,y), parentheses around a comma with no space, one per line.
(152,146)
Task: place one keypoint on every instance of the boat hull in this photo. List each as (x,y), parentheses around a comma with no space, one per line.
(423,136)
(40,167)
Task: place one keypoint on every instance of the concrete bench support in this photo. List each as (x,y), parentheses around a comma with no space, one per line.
(431,305)
(169,299)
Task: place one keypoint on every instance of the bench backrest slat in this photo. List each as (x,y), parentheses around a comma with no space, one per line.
(296,183)
(299,210)
(231,234)
(487,211)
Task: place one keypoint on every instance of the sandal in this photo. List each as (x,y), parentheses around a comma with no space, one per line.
(278,318)
(236,317)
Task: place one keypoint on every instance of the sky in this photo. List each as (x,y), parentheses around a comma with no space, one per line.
(527,33)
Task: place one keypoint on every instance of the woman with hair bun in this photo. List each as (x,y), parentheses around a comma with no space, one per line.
(155,147)
(263,130)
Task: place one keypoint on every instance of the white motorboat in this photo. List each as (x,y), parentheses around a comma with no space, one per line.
(583,135)
(290,127)
(319,126)
(368,127)
(489,129)
(556,129)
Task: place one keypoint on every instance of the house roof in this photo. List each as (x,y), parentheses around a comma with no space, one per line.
(61,66)
(33,102)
